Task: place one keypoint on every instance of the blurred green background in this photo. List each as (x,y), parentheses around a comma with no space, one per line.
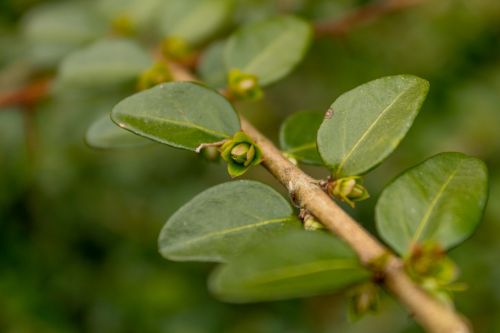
(78,227)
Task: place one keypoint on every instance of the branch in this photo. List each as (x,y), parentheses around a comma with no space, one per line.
(434,316)
(361,15)
(27,95)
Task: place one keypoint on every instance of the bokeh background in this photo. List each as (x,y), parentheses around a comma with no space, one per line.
(79,227)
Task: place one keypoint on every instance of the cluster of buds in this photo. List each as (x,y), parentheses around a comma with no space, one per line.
(348,189)
(243,85)
(240,152)
(158,73)
(175,48)
(429,266)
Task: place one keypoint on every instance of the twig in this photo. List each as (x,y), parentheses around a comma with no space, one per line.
(434,316)
(26,96)
(361,15)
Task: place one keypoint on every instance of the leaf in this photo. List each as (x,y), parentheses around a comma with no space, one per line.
(294,264)
(298,136)
(269,49)
(105,63)
(104,134)
(194,20)
(55,29)
(441,200)
(180,114)
(140,13)
(222,221)
(212,68)
(366,124)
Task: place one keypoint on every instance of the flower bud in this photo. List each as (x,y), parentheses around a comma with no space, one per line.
(363,299)
(348,189)
(175,48)
(240,153)
(244,86)
(122,25)
(158,73)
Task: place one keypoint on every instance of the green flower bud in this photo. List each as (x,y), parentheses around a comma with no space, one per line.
(158,73)
(363,299)
(244,86)
(240,153)
(348,189)
(175,48)
(429,266)
(123,25)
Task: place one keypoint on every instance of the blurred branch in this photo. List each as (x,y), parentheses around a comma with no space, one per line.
(362,15)
(27,95)
(434,316)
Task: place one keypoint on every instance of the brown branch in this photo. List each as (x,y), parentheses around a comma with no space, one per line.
(26,96)
(360,16)
(434,316)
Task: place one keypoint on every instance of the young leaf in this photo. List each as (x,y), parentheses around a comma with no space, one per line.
(194,20)
(268,49)
(294,264)
(212,68)
(223,221)
(104,134)
(180,114)
(440,200)
(366,124)
(298,136)
(105,63)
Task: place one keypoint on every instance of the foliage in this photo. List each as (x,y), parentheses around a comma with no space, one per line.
(89,217)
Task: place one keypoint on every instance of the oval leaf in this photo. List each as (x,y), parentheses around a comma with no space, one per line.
(194,20)
(440,200)
(222,221)
(180,114)
(295,264)
(298,136)
(104,134)
(105,63)
(268,49)
(366,124)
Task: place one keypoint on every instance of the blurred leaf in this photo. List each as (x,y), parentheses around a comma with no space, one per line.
(180,114)
(53,30)
(105,63)
(140,13)
(366,124)
(298,136)
(194,20)
(269,49)
(440,200)
(212,69)
(225,220)
(294,264)
(104,134)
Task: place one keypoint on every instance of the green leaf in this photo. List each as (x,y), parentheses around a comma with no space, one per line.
(194,20)
(294,264)
(224,221)
(298,136)
(441,200)
(104,134)
(53,30)
(212,68)
(269,49)
(180,114)
(140,13)
(366,124)
(105,63)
